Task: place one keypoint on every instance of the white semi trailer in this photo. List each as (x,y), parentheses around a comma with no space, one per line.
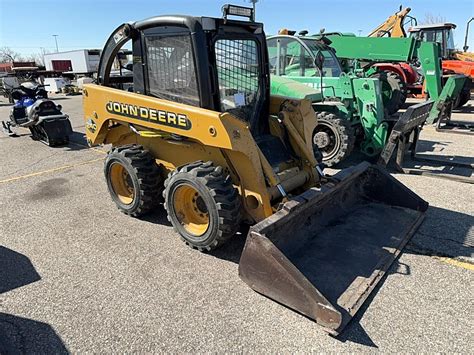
(83,61)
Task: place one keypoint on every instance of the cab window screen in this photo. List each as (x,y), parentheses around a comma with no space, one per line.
(331,66)
(238,72)
(293,59)
(170,65)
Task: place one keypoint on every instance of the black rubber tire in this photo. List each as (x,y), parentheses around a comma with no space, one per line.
(144,174)
(399,90)
(346,136)
(222,201)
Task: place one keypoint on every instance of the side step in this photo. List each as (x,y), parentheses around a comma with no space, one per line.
(325,251)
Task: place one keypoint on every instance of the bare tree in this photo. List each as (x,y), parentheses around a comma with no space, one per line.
(38,57)
(8,55)
(34,57)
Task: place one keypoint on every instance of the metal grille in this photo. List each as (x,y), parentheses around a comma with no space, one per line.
(238,74)
(171,70)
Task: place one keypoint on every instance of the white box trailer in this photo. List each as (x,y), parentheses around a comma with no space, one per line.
(83,61)
(54,84)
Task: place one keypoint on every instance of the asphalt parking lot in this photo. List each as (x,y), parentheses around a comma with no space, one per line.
(76,275)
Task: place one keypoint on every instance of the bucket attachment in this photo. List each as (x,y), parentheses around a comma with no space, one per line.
(446,125)
(404,139)
(325,250)
(409,124)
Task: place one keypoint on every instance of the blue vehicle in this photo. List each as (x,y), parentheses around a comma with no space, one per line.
(33,110)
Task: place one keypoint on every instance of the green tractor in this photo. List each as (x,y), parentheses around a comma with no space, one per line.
(354,103)
(350,109)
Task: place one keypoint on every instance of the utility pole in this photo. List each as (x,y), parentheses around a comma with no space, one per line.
(466,47)
(56,40)
(253,5)
(360,31)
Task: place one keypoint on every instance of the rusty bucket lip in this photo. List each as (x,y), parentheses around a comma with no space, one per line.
(259,238)
(377,276)
(313,195)
(257,235)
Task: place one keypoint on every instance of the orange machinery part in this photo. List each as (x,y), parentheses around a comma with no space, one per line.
(459,67)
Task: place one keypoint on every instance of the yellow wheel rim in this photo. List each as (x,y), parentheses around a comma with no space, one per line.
(191,210)
(122,183)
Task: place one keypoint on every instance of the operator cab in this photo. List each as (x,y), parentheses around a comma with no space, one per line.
(291,56)
(220,64)
(441,33)
(213,63)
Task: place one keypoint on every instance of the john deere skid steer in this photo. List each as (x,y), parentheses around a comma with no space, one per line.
(197,124)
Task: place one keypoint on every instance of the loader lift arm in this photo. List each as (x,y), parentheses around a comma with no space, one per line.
(393,25)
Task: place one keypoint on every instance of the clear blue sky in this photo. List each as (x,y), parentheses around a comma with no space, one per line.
(87,23)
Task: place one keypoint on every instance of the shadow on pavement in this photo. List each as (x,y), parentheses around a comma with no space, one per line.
(21,335)
(15,135)
(16,270)
(77,141)
(444,233)
(26,336)
(158,216)
(464,109)
(59,98)
(426,146)
(450,165)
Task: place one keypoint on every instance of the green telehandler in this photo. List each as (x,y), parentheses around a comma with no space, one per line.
(406,57)
(354,106)
(349,109)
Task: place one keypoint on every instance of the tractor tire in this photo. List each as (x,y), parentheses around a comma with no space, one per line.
(133,179)
(202,205)
(393,90)
(334,137)
(463,97)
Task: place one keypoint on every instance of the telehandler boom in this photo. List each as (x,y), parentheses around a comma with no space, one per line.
(373,54)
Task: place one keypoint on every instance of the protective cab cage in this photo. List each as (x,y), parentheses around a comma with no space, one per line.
(200,60)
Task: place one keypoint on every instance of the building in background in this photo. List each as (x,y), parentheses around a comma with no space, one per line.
(83,62)
(12,66)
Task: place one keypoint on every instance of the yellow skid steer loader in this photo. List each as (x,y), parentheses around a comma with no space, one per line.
(191,118)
